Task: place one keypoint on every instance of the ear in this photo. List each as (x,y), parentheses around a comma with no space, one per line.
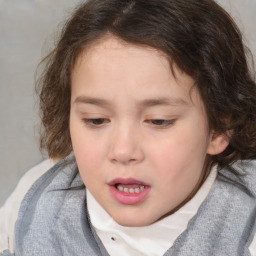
(218,143)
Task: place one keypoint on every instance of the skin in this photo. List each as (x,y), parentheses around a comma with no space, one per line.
(131,118)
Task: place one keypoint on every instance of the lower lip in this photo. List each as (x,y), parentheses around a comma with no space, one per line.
(129,198)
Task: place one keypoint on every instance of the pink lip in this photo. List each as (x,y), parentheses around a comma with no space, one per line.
(126,182)
(128,198)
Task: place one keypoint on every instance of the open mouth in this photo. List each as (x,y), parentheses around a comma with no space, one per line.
(129,191)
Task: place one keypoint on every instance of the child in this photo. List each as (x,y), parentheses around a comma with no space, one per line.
(151,106)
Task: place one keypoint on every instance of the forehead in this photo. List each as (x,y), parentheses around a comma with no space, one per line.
(110,46)
(111,64)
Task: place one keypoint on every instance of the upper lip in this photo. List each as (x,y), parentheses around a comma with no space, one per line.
(126,181)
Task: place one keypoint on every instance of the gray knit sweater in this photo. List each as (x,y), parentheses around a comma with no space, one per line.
(53,219)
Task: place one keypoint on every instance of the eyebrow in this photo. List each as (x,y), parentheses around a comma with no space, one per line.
(93,101)
(170,101)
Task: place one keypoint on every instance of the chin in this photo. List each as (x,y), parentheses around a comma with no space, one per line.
(130,220)
(133,223)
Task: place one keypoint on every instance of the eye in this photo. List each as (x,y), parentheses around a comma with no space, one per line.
(161,123)
(95,121)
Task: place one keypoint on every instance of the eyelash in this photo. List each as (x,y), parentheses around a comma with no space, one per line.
(95,122)
(159,123)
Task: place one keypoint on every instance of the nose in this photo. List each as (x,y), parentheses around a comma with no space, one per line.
(126,146)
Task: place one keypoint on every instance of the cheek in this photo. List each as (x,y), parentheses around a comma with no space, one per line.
(86,149)
(88,159)
(180,154)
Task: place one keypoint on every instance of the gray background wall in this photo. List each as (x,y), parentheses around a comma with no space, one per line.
(27,29)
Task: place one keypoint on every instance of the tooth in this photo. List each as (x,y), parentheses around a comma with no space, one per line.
(120,188)
(137,190)
(131,190)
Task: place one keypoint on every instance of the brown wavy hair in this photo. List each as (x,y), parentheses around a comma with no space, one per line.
(198,36)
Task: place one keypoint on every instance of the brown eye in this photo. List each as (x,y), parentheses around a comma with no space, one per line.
(161,122)
(95,121)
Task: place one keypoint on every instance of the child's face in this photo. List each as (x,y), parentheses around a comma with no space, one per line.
(139,134)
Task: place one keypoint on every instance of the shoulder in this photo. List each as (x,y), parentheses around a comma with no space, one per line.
(246,170)
(9,211)
(243,175)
